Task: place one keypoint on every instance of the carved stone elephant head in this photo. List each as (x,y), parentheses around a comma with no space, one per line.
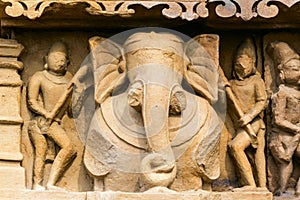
(154,123)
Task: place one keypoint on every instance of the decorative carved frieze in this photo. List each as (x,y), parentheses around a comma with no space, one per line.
(185,9)
(188,10)
(247,9)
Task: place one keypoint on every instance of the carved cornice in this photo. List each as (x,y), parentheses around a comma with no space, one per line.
(185,9)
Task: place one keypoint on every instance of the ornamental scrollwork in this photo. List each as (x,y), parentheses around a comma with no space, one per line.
(34,8)
(267,10)
(185,9)
(247,9)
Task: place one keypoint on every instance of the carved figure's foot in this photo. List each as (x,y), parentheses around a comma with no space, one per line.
(278,192)
(206,186)
(297,190)
(55,188)
(38,187)
(290,149)
(228,188)
(262,189)
(245,188)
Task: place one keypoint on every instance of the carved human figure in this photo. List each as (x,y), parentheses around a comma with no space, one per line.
(250,94)
(153,132)
(45,89)
(285,135)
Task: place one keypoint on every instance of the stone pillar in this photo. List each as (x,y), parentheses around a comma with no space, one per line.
(11,173)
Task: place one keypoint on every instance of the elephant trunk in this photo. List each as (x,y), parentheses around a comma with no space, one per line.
(159,166)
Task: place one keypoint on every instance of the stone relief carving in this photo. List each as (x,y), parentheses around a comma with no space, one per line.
(48,94)
(247,99)
(188,10)
(153,131)
(154,124)
(159,130)
(284,137)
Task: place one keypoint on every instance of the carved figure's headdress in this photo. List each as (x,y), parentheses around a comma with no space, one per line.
(281,53)
(59,47)
(247,47)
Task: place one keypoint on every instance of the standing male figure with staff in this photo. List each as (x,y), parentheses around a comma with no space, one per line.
(49,99)
(248,95)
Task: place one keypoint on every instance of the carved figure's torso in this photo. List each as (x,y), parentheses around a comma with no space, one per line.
(52,88)
(45,91)
(287,104)
(292,106)
(248,91)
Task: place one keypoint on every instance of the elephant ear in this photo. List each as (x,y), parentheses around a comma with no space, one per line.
(201,71)
(109,67)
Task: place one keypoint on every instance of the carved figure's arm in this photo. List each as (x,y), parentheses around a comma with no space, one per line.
(279,115)
(260,97)
(33,94)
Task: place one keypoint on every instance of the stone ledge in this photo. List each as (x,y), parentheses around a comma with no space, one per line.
(12,177)
(11,156)
(11,120)
(10,194)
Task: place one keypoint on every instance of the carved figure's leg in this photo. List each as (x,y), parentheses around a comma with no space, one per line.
(237,148)
(295,148)
(297,192)
(282,154)
(285,170)
(260,160)
(50,151)
(64,156)
(297,155)
(40,146)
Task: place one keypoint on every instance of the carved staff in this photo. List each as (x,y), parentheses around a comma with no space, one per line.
(81,73)
(60,103)
(248,128)
(62,100)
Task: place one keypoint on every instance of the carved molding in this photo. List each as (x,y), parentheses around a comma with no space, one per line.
(250,8)
(185,9)
(188,10)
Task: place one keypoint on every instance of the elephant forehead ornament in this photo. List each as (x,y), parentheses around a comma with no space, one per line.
(150,128)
